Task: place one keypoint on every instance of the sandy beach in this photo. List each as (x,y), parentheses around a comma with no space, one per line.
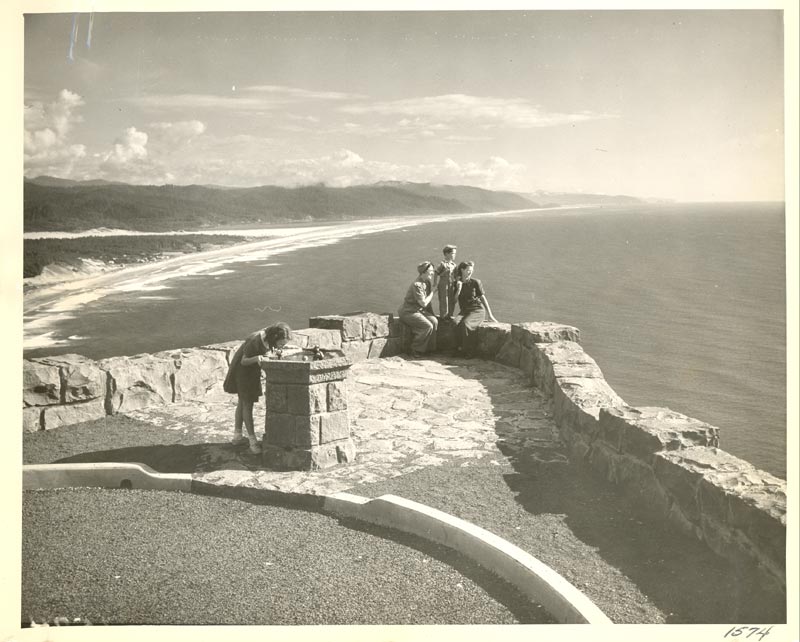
(47,303)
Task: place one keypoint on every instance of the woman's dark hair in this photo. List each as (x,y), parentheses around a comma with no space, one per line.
(464,264)
(276,332)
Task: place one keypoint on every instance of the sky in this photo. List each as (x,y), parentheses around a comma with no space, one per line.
(684,105)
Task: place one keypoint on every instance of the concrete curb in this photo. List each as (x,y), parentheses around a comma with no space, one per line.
(38,476)
(528,574)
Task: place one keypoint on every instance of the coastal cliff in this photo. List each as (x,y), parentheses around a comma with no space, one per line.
(668,464)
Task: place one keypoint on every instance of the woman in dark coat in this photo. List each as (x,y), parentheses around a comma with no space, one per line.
(244,377)
(474,308)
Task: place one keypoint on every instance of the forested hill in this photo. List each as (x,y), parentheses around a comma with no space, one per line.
(57,205)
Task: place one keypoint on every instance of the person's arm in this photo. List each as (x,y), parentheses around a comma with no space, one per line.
(485,302)
(250,360)
(437,275)
(420,296)
(482,296)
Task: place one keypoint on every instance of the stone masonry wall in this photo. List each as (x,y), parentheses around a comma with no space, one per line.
(666,462)
(68,389)
(662,459)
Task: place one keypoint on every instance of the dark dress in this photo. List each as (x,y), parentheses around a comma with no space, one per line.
(246,380)
(473,314)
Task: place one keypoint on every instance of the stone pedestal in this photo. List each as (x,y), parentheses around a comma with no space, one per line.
(307,426)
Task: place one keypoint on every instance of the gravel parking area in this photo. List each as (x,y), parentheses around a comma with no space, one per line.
(153,557)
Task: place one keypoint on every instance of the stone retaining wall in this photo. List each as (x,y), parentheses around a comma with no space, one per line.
(667,462)
(68,389)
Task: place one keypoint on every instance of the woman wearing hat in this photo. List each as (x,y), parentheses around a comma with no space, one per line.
(416,311)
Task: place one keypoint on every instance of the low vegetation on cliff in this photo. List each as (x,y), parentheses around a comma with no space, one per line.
(39,253)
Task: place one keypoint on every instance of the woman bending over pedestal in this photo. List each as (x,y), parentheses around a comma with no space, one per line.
(244,377)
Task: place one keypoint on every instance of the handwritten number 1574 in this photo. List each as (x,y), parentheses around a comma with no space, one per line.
(748,631)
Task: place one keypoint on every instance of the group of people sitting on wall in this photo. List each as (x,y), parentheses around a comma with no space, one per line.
(452,282)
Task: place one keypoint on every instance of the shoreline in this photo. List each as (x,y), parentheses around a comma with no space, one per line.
(46,304)
(56,274)
(288,227)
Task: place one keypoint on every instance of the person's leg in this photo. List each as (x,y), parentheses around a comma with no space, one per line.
(471,323)
(421,328)
(237,423)
(431,345)
(247,418)
(460,333)
(444,305)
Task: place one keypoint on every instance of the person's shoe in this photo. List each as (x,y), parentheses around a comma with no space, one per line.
(255,448)
(238,439)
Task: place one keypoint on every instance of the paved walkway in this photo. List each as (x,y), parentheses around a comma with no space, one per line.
(405,415)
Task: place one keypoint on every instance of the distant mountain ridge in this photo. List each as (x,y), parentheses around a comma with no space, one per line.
(577,198)
(53,204)
(78,206)
(52,181)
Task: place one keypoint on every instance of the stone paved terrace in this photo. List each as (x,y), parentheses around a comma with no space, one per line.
(405,415)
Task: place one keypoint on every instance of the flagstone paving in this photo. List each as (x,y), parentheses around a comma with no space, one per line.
(405,415)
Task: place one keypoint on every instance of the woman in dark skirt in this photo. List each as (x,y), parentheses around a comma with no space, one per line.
(473,306)
(244,377)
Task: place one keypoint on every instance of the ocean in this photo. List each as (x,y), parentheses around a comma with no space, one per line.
(682,306)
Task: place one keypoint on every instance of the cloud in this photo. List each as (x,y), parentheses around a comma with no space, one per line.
(230,102)
(342,168)
(295,93)
(130,160)
(484,112)
(182,151)
(178,133)
(152,156)
(131,146)
(47,128)
(345,168)
(493,173)
(246,99)
(404,130)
